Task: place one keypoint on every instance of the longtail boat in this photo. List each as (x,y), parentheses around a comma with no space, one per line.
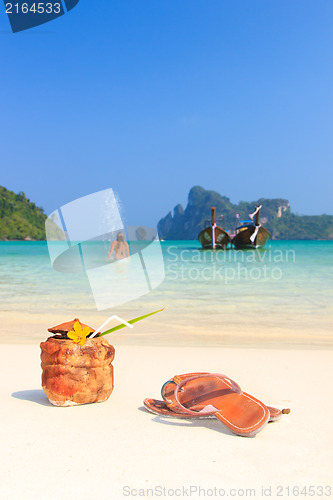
(214,236)
(250,233)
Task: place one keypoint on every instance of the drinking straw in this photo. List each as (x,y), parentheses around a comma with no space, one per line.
(114,316)
(124,323)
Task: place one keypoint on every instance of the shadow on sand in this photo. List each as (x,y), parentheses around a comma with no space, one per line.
(35,395)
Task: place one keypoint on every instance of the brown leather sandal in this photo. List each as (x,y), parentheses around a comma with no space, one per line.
(205,395)
(158,407)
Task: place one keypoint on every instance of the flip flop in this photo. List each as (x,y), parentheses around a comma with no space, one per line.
(168,407)
(158,407)
(168,395)
(202,395)
(219,395)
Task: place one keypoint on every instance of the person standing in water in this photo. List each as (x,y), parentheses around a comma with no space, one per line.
(120,247)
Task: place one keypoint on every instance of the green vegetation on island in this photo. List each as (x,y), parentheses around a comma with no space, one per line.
(276,216)
(20,219)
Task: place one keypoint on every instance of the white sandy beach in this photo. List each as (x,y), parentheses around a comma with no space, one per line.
(115,449)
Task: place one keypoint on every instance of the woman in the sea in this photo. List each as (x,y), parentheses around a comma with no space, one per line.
(120,247)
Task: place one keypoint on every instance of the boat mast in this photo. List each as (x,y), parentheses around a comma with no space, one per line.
(213,226)
(257,215)
(237,222)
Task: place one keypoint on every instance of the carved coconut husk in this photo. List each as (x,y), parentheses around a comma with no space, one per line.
(75,374)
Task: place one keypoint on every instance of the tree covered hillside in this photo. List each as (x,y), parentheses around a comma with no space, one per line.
(20,219)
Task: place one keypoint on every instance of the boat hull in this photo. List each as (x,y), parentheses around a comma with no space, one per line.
(243,237)
(222,238)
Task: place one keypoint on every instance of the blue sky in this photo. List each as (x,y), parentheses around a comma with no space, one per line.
(151,97)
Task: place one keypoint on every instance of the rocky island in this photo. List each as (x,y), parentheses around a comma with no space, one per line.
(185,224)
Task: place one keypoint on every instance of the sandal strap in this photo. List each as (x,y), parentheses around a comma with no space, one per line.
(209,408)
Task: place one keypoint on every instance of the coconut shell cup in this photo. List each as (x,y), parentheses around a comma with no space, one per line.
(75,374)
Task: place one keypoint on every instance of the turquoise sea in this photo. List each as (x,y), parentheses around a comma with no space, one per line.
(282,293)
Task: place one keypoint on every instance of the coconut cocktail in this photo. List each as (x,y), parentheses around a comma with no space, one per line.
(76,363)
